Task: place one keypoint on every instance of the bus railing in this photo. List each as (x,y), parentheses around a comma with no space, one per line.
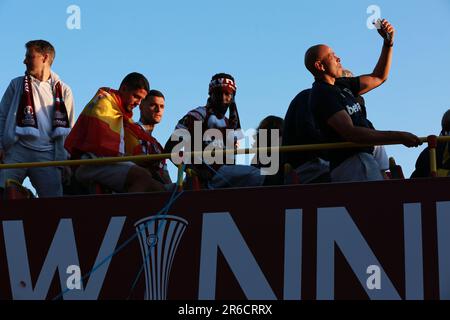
(432,141)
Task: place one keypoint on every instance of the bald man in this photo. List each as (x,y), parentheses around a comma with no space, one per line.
(339,115)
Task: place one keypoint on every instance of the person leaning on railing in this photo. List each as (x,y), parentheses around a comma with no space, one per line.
(102,130)
(379,152)
(339,115)
(215,130)
(273,125)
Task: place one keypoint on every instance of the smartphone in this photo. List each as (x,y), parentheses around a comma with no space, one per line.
(378,25)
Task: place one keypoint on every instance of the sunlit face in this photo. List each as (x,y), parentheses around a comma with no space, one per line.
(132,98)
(330,63)
(152,110)
(35,61)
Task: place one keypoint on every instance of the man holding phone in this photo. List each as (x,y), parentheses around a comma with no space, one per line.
(340,116)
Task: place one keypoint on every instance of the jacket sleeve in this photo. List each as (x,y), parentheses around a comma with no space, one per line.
(61,153)
(5,106)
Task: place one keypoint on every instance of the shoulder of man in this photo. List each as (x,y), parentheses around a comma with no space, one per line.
(15,87)
(56,78)
(187,122)
(300,100)
(299,110)
(324,92)
(17,82)
(66,91)
(342,82)
(198,113)
(18,79)
(65,87)
(351,83)
(326,100)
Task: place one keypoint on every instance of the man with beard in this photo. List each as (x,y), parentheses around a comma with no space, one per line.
(210,126)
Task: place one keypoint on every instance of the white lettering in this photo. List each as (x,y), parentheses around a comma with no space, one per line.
(353,109)
(74,280)
(74,20)
(374,281)
(375,14)
(214,143)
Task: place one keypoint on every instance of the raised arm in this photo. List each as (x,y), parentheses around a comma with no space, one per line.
(381,71)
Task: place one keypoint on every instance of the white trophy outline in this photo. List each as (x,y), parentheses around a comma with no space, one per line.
(159,237)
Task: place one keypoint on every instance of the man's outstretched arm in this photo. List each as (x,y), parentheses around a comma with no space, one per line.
(343,125)
(381,71)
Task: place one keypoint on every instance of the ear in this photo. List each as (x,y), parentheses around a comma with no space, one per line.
(319,66)
(46,58)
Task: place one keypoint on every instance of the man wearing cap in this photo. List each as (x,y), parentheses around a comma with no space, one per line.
(210,125)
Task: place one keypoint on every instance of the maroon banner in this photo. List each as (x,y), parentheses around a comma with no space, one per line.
(374,240)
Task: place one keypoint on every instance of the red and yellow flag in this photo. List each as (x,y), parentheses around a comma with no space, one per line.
(100,126)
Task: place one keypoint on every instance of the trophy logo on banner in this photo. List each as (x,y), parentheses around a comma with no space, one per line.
(159,237)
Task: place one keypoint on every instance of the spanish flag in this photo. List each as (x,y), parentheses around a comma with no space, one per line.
(100,128)
(139,142)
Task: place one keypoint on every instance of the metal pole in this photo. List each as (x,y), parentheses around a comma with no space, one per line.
(432,144)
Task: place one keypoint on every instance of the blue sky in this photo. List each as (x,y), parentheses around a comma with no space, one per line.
(179,45)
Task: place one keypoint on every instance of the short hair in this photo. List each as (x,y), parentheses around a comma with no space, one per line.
(43,47)
(271,122)
(445,122)
(311,56)
(155,93)
(135,81)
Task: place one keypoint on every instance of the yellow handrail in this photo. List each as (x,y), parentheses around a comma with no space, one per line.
(108,160)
